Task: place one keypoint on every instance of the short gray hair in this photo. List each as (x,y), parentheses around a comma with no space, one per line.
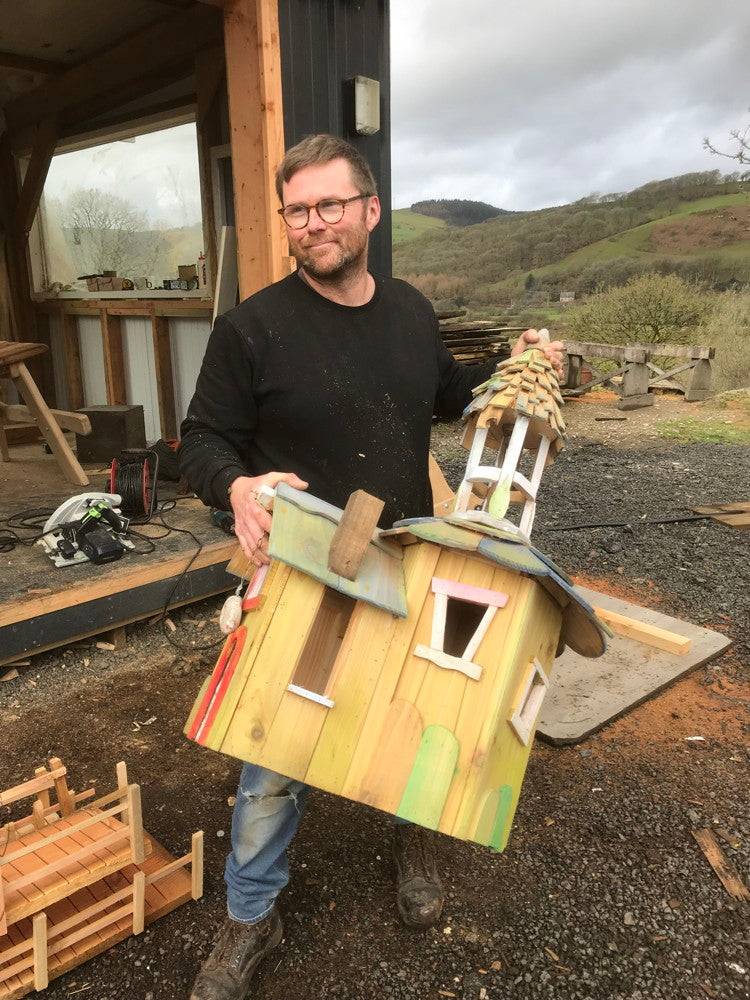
(314,149)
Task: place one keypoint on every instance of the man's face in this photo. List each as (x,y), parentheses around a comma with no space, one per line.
(329,251)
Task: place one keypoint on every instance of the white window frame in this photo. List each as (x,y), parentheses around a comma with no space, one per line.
(529,701)
(451,589)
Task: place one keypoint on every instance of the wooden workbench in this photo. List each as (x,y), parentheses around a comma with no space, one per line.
(42,606)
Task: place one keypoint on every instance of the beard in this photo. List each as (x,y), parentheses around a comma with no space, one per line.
(345,255)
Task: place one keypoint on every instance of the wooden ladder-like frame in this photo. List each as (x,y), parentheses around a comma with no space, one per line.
(89,842)
(129,886)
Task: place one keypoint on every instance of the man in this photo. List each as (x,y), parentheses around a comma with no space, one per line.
(327,379)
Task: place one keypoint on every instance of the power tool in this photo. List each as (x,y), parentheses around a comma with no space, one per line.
(87,527)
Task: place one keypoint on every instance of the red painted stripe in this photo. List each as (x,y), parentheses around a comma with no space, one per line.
(220,678)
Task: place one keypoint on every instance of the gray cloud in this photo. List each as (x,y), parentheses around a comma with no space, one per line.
(526,103)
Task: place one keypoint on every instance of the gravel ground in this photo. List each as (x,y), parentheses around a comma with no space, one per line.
(602,892)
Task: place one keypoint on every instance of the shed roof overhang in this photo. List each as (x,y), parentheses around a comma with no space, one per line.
(87,63)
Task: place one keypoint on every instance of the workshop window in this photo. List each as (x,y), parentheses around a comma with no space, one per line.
(131,206)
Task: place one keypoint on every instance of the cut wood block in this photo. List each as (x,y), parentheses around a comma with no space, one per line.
(718,861)
(736,515)
(641,631)
(353,534)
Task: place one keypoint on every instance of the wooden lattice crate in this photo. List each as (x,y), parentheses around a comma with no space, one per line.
(97,916)
(64,845)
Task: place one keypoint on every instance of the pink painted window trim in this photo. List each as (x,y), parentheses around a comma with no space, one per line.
(252,597)
(465,592)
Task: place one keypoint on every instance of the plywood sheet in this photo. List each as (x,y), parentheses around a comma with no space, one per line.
(587,694)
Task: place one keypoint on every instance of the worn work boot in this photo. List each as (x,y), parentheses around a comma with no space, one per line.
(420,894)
(238,951)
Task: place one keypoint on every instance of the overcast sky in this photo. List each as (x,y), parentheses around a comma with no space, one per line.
(527,103)
(522,103)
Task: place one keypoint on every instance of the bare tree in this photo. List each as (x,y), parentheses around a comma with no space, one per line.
(741,138)
(107,233)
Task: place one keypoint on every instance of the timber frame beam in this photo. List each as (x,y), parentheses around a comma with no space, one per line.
(84,90)
(253,61)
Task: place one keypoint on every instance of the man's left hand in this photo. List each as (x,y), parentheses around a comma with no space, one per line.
(553,350)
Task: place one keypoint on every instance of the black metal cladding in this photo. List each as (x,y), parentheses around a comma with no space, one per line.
(324,43)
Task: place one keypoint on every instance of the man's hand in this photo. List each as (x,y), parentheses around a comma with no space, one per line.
(553,350)
(252,523)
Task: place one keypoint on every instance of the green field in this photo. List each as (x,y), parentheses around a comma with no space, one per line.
(407,225)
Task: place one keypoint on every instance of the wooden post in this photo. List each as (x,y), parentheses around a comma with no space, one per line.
(43,794)
(353,534)
(635,387)
(37,815)
(209,79)
(139,902)
(3,920)
(573,377)
(164,376)
(122,783)
(39,937)
(135,819)
(196,865)
(30,195)
(72,351)
(67,805)
(114,361)
(253,61)
(17,279)
(700,383)
(4,450)
(45,368)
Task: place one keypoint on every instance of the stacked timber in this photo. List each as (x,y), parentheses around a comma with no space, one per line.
(479,340)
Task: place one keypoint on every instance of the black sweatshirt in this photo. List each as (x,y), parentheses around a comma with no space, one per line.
(341,395)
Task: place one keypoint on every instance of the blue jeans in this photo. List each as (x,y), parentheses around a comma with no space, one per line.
(266,815)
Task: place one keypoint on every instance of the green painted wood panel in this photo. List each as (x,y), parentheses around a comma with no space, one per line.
(492,828)
(430,778)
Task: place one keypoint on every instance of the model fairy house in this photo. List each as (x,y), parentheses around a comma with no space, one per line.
(406,668)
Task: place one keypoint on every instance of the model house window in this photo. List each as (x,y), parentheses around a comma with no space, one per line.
(313,673)
(461,617)
(529,701)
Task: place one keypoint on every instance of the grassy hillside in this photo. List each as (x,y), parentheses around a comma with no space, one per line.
(408,225)
(697,226)
(638,241)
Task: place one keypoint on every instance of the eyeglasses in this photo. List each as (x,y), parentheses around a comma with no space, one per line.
(329,210)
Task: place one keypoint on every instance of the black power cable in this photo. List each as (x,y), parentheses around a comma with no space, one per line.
(165,507)
(133,476)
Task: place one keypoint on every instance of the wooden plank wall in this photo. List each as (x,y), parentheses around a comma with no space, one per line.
(153,361)
(322,45)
